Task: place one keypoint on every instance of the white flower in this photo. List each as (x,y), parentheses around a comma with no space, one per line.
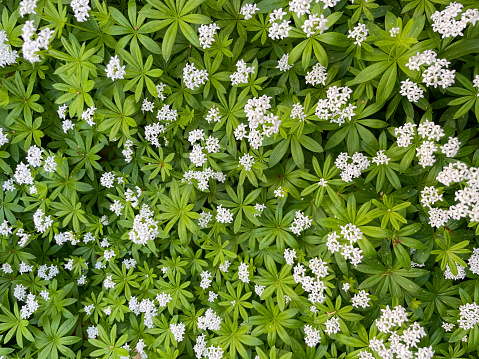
(335,107)
(317,75)
(468,316)
(247,161)
(289,255)
(300,223)
(476,83)
(114,70)
(313,24)
(92,332)
(279,31)
(27,7)
(381,158)
(300,7)
(297,113)
(147,106)
(67,125)
(283,63)
(445,23)
(313,336)
(241,74)
(107,179)
(243,272)
(80,8)
(360,299)
(193,78)
(34,156)
(23,174)
(7,56)
(248,10)
(213,115)
(279,192)
(411,90)
(394,31)
(88,114)
(144,227)
(359,34)
(461,273)
(209,321)
(277,15)
(223,215)
(205,218)
(207,34)
(451,148)
(178,330)
(332,326)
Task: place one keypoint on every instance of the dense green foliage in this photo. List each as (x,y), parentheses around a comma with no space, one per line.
(112,236)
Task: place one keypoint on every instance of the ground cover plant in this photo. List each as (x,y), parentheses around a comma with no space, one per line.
(226,179)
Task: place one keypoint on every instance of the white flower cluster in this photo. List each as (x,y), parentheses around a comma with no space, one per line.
(202,351)
(144,227)
(381,158)
(332,326)
(297,113)
(30,307)
(300,223)
(429,133)
(300,7)
(27,7)
(146,306)
(333,107)
(279,30)
(203,177)
(5,229)
(445,23)
(23,175)
(351,233)
(313,285)
(468,316)
(248,10)
(213,115)
(359,34)
(411,90)
(7,56)
(394,31)
(313,336)
(473,261)
(193,78)
(352,170)
(429,196)
(400,343)
(114,70)
(223,215)
(178,331)
(261,123)
(360,299)
(289,256)
(153,131)
(80,8)
(207,34)
(205,279)
(451,147)
(283,63)
(313,24)
(241,74)
(30,47)
(41,221)
(467,197)
(127,151)
(209,321)
(147,106)
(243,272)
(247,161)
(437,72)
(211,144)
(475,83)
(317,75)
(461,273)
